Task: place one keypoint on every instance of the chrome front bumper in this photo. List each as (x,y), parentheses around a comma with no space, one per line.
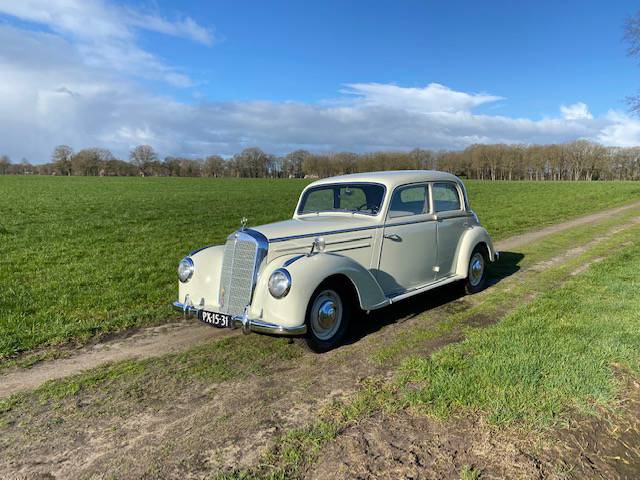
(247,324)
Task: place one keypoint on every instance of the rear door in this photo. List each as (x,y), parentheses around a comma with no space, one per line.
(408,250)
(452,220)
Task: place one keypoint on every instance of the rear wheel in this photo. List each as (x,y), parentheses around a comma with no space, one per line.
(477,272)
(328,315)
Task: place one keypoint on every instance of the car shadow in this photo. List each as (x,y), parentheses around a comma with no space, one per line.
(507,265)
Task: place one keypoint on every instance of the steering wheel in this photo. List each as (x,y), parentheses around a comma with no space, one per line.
(368,206)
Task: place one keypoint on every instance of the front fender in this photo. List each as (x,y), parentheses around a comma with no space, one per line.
(204,285)
(307,273)
(471,238)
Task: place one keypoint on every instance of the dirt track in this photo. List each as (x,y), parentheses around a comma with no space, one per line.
(178,336)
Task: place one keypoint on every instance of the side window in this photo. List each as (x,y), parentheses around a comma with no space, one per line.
(410,200)
(445,197)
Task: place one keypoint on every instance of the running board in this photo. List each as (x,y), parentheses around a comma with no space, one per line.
(425,288)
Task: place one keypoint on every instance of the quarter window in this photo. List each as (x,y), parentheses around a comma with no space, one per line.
(446,197)
(410,200)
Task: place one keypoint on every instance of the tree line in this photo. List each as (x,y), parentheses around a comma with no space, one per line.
(578,160)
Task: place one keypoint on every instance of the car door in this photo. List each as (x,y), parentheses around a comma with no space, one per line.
(452,220)
(408,251)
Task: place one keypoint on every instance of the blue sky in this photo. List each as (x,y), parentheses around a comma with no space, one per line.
(537,54)
(194,78)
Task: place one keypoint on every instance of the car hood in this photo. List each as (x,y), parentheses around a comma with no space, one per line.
(314,225)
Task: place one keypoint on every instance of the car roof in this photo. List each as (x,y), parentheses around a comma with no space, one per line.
(391,178)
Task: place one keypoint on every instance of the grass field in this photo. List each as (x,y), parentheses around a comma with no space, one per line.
(83,256)
(549,357)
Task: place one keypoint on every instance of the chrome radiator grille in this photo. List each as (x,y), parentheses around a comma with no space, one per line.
(243,254)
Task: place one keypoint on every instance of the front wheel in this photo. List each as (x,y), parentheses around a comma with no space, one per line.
(328,317)
(477,272)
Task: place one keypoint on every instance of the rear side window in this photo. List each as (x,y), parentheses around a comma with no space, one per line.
(409,200)
(446,197)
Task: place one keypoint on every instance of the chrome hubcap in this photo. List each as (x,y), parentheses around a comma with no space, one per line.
(326,314)
(476,269)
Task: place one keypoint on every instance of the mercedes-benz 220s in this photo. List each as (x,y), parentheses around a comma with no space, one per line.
(355,243)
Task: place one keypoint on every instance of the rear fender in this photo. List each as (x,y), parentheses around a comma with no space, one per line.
(473,237)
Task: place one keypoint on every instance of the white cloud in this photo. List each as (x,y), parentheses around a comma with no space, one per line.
(432,98)
(620,130)
(57,87)
(577,111)
(184,27)
(105,34)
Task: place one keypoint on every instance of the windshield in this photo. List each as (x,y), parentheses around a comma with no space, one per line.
(343,197)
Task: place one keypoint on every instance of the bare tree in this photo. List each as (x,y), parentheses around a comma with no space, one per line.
(142,156)
(5,161)
(61,159)
(213,166)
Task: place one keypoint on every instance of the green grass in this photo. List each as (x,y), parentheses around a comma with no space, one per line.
(545,359)
(469,473)
(86,256)
(506,295)
(508,208)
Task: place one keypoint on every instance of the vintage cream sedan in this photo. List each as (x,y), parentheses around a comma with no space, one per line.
(356,243)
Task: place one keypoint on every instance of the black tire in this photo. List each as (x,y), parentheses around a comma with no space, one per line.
(477,271)
(322,334)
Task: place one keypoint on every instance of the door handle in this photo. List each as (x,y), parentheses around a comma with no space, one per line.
(394,237)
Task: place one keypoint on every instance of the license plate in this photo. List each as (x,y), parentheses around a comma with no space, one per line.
(220,320)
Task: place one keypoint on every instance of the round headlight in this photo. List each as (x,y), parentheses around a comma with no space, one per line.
(279,283)
(185,269)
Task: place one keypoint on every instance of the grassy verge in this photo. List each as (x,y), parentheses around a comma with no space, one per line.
(86,256)
(547,357)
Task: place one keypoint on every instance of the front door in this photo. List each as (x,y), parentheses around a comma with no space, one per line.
(452,221)
(408,252)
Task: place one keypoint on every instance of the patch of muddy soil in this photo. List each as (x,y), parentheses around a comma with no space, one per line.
(411,446)
(406,446)
(606,446)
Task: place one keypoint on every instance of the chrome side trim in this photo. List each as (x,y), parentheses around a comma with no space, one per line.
(357,229)
(247,324)
(344,248)
(291,260)
(316,234)
(424,288)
